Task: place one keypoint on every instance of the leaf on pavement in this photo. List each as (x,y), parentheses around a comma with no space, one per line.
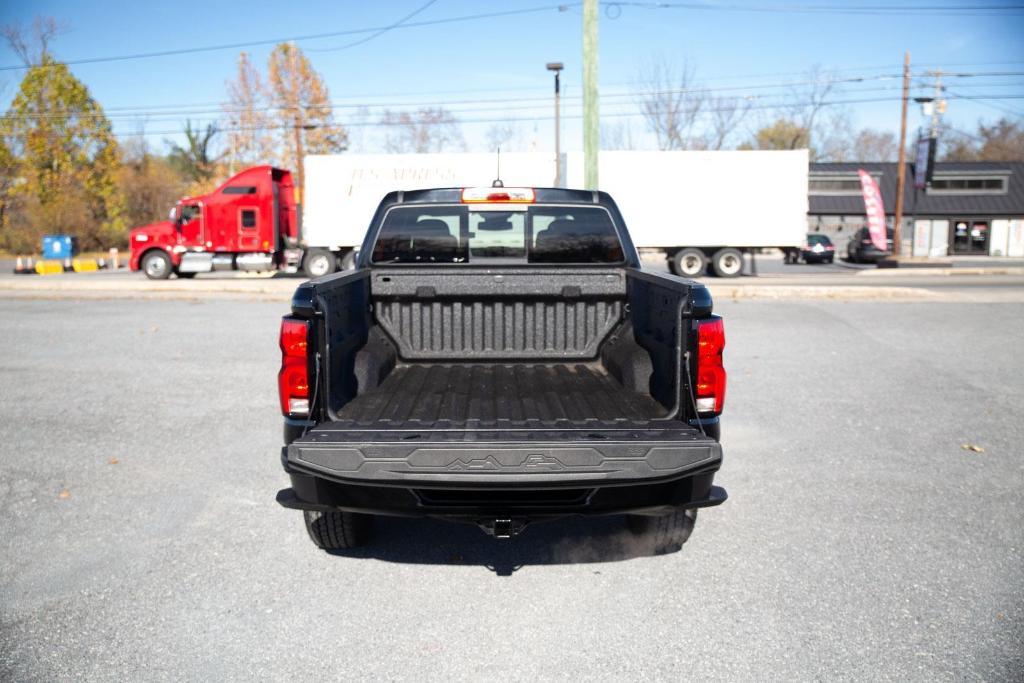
(971,447)
(64,493)
(113,461)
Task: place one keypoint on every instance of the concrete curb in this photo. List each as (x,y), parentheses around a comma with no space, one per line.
(912,272)
(847,293)
(282,290)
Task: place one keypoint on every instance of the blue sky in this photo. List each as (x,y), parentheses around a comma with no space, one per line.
(494,68)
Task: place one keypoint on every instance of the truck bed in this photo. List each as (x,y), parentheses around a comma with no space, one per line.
(501,396)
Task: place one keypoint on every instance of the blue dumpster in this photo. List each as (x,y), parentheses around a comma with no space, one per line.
(59,246)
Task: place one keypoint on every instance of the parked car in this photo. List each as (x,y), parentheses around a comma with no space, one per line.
(499,357)
(861,249)
(818,248)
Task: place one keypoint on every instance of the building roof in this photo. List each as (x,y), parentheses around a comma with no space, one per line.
(958,205)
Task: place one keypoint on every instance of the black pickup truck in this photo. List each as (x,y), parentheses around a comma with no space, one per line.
(499,357)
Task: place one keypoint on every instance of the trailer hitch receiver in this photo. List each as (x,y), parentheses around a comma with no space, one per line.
(502,527)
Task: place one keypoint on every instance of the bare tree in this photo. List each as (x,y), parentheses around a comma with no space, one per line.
(727,115)
(618,135)
(32,44)
(248,124)
(832,139)
(875,145)
(358,122)
(431,129)
(670,103)
(504,136)
(808,102)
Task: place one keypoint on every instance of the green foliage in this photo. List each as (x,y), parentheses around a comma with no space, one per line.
(195,160)
(61,163)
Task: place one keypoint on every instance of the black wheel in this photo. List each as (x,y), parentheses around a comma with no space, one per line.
(727,262)
(156,265)
(830,259)
(319,262)
(664,533)
(337,530)
(185,276)
(689,263)
(348,261)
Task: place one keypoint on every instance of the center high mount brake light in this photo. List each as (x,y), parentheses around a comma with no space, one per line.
(507,195)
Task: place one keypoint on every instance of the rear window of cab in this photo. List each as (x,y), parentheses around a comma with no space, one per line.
(497,233)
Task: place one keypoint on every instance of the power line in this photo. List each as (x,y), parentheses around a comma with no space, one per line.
(954,10)
(515,102)
(986,101)
(381,32)
(543,101)
(633,114)
(310,36)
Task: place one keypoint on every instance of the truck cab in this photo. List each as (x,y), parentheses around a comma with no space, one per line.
(248,223)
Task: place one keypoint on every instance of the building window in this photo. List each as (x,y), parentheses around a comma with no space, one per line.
(248,218)
(240,189)
(969,185)
(835,185)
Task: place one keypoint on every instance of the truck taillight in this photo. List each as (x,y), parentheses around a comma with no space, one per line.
(710,370)
(293,380)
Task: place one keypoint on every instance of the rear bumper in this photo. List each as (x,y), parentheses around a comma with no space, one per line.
(593,474)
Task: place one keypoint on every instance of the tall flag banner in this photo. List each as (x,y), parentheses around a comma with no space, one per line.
(874,209)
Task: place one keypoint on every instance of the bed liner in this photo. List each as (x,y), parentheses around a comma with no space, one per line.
(501,396)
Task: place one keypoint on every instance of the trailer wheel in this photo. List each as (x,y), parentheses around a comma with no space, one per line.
(348,261)
(689,262)
(336,529)
(319,262)
(663,533)
(727,262)
(156,265)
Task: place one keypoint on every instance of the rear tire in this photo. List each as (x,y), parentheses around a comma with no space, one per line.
(727,262)
(348,261)
(156,265)
(185,276)
(664,533)
(319,262)
(689,262)
(336,529)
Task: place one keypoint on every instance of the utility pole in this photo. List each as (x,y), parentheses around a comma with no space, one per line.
(591,131)
(901,172)
(300,169)
(557,68)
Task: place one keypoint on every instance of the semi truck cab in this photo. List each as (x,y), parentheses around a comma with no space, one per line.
(248,223)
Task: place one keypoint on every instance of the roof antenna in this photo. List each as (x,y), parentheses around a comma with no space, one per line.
(497,181)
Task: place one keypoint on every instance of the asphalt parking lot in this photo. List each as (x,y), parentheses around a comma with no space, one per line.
(141,540)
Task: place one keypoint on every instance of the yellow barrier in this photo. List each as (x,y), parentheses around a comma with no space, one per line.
(49,267)
(85,265)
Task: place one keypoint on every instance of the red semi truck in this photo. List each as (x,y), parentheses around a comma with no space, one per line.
(248,223)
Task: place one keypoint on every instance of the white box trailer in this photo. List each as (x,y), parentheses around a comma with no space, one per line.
(708,207)
(694,208)
(343,190)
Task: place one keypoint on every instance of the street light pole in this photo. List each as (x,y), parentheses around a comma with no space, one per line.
(901,172)
(557,68)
